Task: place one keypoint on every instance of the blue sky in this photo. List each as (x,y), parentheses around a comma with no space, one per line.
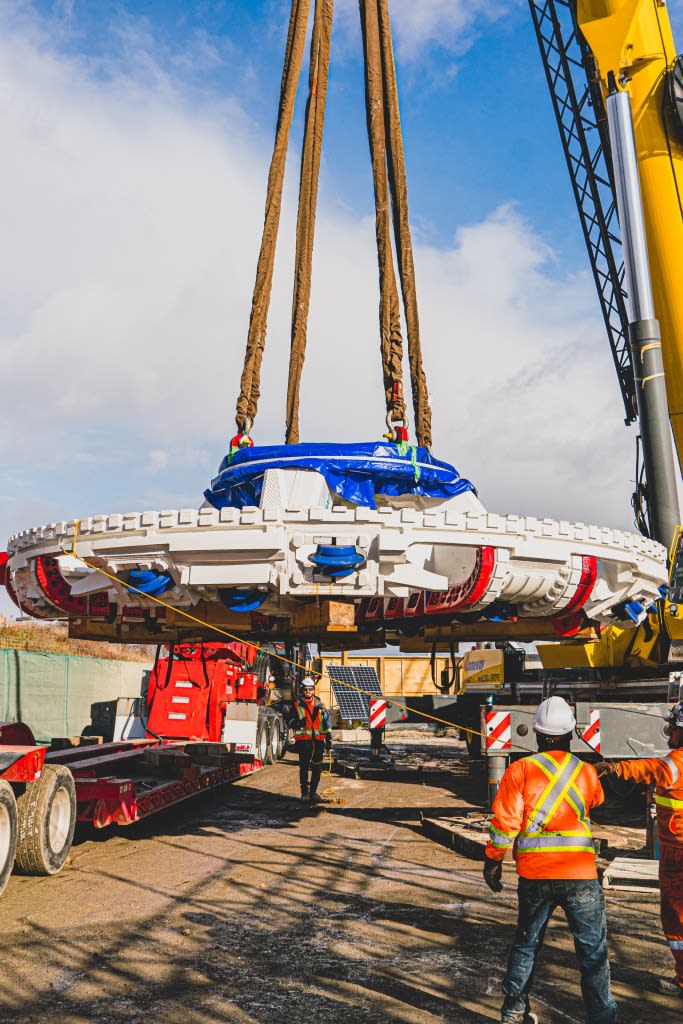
(136,142)
(477,117)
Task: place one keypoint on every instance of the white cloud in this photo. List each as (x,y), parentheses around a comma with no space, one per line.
(421,24)
(157,460)
(131,225)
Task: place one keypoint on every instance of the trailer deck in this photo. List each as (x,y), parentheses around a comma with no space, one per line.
(120,783)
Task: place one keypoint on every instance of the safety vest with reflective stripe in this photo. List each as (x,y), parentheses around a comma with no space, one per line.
(667,774)
(542,809)
(310,722)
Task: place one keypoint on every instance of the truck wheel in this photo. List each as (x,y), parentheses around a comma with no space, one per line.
(47,819)
(8,831)
(263,743)
(275,749)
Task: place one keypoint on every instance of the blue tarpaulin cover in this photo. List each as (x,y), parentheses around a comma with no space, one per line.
(356,472)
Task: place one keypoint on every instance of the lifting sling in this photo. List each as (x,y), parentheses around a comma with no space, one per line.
(391,208)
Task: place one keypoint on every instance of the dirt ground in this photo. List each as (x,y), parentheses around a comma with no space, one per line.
(246,906)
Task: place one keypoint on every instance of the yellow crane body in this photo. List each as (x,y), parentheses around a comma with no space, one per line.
(632,41)
(633,49)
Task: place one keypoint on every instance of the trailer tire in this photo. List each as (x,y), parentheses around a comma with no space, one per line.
(283,738)
(8,831)
(46,822)
(263,742)
(275,746)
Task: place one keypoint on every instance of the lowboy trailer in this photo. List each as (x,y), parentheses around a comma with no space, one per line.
(45,792)
(206,723)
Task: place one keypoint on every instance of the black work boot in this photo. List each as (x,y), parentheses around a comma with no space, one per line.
(304,792)
(315,798)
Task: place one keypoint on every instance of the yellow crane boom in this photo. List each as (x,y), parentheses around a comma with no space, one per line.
(632,44)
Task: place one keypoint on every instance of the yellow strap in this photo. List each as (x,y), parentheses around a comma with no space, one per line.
(565,790)
(328,792)
(667,801)
(540,763)
(551,783)
(564,793)
(576,832)
(579,848)
(582,821)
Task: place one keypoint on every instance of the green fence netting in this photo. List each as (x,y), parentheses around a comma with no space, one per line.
(52,693)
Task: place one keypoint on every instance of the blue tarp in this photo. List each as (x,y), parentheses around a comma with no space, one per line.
(356,472)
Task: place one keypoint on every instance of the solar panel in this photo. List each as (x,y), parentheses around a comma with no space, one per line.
(353,706)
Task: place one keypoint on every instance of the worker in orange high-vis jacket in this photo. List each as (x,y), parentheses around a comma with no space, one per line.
(542,811)
(312,733)
(667,775)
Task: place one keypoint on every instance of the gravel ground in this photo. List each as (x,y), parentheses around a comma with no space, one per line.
(246,906)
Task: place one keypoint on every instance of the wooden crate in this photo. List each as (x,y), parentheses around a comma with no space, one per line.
(335,616)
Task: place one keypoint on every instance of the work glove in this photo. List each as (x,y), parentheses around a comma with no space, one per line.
(607,768)
(493,870)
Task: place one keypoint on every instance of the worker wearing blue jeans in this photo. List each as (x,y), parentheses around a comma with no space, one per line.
(542,813)
(584,906)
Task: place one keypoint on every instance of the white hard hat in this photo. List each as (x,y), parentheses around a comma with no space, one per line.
(554,717)
(308,681)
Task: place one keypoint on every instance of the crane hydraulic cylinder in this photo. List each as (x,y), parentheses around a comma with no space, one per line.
(634,52)
(644,334)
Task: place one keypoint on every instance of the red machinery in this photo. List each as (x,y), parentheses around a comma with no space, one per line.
(190,689)
(207,722)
